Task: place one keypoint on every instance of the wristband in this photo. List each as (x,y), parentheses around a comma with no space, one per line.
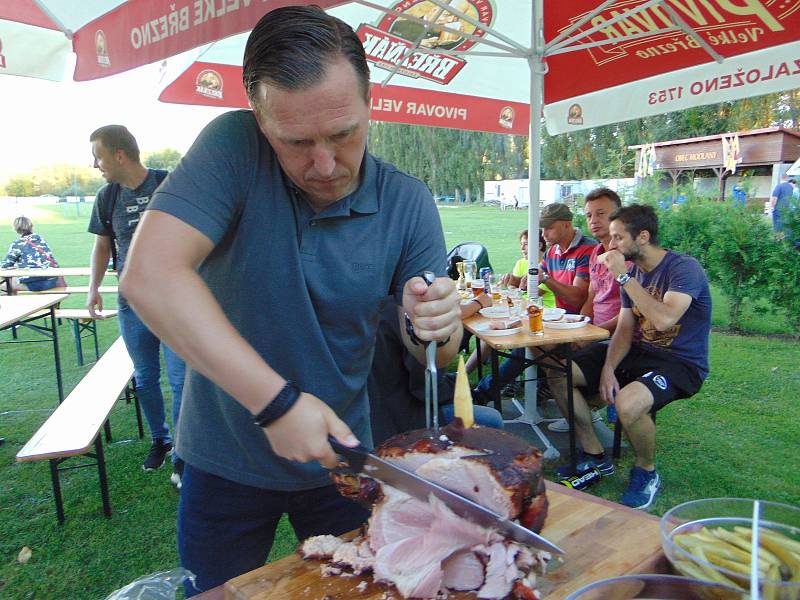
(478,301)
(279,406)
(413,336)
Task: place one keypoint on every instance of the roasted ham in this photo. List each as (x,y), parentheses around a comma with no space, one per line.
(422,547)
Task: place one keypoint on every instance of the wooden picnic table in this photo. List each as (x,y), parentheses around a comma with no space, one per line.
(554,349)
(22,310)
(600,538)
(7,274)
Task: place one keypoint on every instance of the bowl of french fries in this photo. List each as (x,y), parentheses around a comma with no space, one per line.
(711,540)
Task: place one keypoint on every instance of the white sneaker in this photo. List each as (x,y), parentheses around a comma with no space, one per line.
(561,426)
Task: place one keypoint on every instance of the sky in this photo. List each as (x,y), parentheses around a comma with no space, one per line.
(45,122)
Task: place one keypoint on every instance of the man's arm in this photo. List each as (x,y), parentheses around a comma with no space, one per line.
(588,306)
(161,283)
(617,350)
(101,253)
(574,294)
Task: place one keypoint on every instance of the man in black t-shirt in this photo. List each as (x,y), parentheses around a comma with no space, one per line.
(666,297)
(115,215)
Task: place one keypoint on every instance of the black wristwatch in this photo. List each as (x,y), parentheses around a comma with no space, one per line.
(279,406)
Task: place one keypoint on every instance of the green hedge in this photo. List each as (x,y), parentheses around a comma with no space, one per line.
(737,248)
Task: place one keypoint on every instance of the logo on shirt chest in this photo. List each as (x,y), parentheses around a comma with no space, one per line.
(570,265)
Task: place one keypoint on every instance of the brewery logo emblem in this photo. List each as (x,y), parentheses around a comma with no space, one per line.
(575,115)
(391,41)
(209,84)
(660,381)
(507,117)
(101,49)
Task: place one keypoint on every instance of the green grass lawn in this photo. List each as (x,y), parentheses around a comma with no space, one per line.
(737,437)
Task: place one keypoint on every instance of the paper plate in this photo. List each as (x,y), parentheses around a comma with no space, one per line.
(553,314)
(564,324)
(486,330)
(496,312)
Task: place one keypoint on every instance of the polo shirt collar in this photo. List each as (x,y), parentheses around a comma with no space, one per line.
(364,200)
(576,240)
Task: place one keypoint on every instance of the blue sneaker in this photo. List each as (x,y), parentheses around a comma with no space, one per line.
(642,489)
(586,463)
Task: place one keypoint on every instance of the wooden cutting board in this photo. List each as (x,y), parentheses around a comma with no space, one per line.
(601,539)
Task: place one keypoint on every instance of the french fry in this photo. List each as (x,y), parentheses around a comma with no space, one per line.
(778,559)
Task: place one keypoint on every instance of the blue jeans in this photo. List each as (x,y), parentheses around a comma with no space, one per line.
(485,416)
(227,528)
(508,371)
(143,347)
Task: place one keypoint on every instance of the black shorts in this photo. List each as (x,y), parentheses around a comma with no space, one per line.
(668,378)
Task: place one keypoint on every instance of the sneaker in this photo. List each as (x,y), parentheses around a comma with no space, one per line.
(560,425)
(511,390)
(642,489)
(158,452)
(177,473)
(586,463)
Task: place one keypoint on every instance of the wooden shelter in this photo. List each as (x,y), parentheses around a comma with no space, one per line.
(774,147)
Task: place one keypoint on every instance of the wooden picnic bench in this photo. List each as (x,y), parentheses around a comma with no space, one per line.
(73,289)
(74,427)
(84,325)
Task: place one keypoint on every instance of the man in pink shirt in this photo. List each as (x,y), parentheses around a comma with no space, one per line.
(603,301)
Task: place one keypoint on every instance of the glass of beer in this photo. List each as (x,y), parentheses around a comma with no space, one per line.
(535,313)
(477,287)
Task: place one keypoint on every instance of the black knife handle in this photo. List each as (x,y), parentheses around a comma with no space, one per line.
(356,457)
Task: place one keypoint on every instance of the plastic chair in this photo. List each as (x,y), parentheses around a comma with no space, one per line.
(471,251)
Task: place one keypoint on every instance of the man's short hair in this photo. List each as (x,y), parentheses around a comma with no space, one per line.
(637,218)
(117,137)
(23,225)
(292,47)
(598,193)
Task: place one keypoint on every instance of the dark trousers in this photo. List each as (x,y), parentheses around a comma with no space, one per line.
(226,528)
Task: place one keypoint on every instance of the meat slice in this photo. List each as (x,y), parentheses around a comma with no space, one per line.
(463,571)
(414,564)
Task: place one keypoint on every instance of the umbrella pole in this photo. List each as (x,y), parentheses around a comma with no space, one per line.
(530,413)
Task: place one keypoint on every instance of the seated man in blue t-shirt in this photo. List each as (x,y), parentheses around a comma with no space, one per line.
(667,295)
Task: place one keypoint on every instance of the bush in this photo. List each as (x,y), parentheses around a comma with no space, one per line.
(743,244)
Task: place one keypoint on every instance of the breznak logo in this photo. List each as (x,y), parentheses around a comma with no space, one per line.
(575,115)
(101,49)
(392,40)
(507,117)
(209,84)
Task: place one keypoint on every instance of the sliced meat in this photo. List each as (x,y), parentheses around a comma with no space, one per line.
(463,571)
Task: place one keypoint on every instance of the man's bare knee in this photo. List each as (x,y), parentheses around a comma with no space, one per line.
(633,401)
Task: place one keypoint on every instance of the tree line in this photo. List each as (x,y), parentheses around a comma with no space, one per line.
(73,180)
(456,162)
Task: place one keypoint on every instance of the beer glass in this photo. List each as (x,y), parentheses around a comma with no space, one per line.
(470,270)
(535,313)
(477,287)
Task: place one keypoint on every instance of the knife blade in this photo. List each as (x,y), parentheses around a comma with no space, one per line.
(363,461)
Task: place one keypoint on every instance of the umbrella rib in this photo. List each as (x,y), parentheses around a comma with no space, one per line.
(626,38)
(603,25)
(513,48)
(580,23)
(678,20)
(49,13)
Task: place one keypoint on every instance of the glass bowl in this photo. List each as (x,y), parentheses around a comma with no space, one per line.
(661,587)
(708,555)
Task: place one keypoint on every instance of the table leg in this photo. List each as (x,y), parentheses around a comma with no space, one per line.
(570,406)
(57,354)
(494,390)
(76,332)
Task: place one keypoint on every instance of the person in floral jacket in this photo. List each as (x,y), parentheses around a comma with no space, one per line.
(30,251)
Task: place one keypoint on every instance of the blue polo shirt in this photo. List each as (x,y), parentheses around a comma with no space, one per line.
(303,289)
